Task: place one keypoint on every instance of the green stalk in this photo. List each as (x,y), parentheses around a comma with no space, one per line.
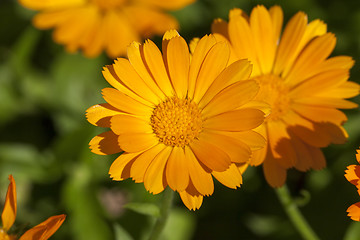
(295,215)
(168,196)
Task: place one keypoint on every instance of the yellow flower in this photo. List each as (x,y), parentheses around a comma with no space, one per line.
(41,231)
(304,87)
(97,25)
(352,174)
(179,119)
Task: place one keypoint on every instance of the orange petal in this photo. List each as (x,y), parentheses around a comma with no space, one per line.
(178,60)
(125,103)
(239,70)
(238,120)
(9,212)
(100,114)
(238,151)
(200,178)
(139,167)
(120,168)
(214,63)
(154,180)
(136,142)
(192,202)
(231,98)
(231,177)
(354,211)
(129,77)
(177,173)
(352,174)
(275,175)
(129,124)
(155,63)
(200,52)
(210,155)
(44,230)
(265,41)
(105,143)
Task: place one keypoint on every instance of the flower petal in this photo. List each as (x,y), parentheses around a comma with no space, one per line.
(239,70)
(121,124)
(214,63)
(100,114)
(238,120)
(177,173)
(265,41)
(200,178)
(231,98)
(200,52)
(45,4)
(231,177)
(139,167)
(289,44)
(125,103)
(156,67)
(242,39)
(215,160)
(354,211)
(105,143)
(129,77)
(154,179)
(44,230)
(135,55)
(136,142)
(9,212)
(178,59)
(238,151)
(275,175)
(120,168)
(192,202)
(310,58)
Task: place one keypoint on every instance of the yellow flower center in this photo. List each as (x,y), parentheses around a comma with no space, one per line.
(176,122)
(274,92)
(109,4)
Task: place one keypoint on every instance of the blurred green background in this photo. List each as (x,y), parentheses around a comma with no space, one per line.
(44,137)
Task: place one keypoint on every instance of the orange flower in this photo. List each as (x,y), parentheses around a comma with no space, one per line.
(97,25)
(304,87)
(42,231)
(179,119)
(352,174)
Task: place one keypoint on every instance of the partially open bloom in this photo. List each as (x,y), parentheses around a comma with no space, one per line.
(179,119)
(352,174)
(304,87)
(97,25)
(42,231)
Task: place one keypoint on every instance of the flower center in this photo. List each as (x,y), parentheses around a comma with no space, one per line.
(176,122)
(274,92)
(108,4)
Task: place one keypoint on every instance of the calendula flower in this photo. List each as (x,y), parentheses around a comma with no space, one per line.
(179,119)
(352,174)
(42,231)
(97,25)
(304,87)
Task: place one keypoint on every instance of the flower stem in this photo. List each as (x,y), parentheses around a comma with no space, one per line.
(295,215)
(168,196)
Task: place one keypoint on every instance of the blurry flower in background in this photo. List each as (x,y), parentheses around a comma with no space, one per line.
(352,174)
(179,120)
(304,87)
(97,25)
(41,231)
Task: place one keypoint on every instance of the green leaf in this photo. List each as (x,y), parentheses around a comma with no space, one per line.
(180,226)
(353,231)
(121,233)
(144,208)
